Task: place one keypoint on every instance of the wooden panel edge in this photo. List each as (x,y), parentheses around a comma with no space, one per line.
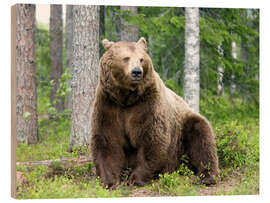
(13,101)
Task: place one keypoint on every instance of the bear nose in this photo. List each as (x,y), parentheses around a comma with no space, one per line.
(136,72)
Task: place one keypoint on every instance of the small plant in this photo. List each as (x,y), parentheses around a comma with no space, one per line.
(78,151)
(232,145)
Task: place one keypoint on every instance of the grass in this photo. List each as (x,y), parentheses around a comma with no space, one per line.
(236,127)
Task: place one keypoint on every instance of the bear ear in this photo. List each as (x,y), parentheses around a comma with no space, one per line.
(142,42)
(107,44)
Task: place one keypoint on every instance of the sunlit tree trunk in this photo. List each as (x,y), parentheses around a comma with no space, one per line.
(220,85)
(129,32)
(85,71)
(234,55)
(68,43)
(192,59)
(26,95)
(56,48)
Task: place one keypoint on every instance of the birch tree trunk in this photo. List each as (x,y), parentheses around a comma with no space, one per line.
(68,43)
(192,59)
(26,95)
(220,87)
(85,71)
(234,55)
(56,48)
(129,32)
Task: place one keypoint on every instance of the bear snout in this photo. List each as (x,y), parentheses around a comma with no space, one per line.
(136,73)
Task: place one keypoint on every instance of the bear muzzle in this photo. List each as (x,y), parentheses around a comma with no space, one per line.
(136,74)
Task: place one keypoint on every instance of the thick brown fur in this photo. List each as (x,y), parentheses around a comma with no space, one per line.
(142,124)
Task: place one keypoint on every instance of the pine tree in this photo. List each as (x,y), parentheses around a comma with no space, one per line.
(85,71)
(26,93)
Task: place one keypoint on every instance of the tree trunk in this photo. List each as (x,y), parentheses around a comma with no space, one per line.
(56,48)
(220,88)
(129,32)
(234,55)
(220,85)
(69,37)
(85,71)
(192,59)
(26,95)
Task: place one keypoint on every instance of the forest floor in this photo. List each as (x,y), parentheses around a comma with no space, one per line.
(237,133)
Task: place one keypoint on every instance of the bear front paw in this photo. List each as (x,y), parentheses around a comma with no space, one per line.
(136,179)
(110,185)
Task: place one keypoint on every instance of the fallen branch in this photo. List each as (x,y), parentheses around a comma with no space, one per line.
(63,161)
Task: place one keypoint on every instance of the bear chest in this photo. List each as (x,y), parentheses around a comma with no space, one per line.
(134,124)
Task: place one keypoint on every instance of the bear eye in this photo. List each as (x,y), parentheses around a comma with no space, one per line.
(141,60)
(126,59)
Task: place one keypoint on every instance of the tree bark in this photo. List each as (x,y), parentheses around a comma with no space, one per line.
(68,42)
(192,59)
(129,32)
(56,48)
(85,71)
(26,95)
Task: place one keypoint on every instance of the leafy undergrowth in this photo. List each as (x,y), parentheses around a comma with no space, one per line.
(236,127)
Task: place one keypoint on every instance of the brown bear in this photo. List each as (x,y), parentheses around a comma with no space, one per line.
(138,123)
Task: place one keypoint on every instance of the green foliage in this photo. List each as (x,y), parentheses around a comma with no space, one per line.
(172,84)
(42,60)
(179,183)
(234,150)
(80,151)
(236,126)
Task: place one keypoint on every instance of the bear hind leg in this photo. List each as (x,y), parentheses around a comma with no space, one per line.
(200,147)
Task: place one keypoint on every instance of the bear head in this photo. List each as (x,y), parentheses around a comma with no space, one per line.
(125,65)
